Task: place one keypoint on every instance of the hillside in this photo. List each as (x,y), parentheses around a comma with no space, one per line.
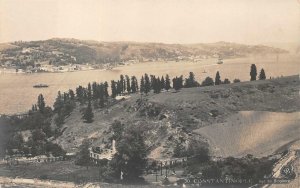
(207,115)
(65,51)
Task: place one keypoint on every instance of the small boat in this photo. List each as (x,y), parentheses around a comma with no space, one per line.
(40,85)
(220,61)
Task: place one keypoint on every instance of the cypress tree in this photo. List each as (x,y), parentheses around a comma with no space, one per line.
(79,93)
(121,84)
(152,78)
(133,84)
(113,89)
(89,94)
(162,83)
(168,83)
(176,83)
(41,103)
(106,89)
(95,90)
(218,79)
(88,114)
(128,87)
(142,87)
(262,74)
(147,84)
(156,85)
(72,95)
(180,82)
(101,95)
(253,72)
(32,108)
(119,87)
(58,104)
(136,83)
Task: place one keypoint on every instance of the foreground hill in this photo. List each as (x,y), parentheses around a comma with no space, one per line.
(62,51)
(252,132)
(204,115)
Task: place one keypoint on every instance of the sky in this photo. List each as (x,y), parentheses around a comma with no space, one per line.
(167,21)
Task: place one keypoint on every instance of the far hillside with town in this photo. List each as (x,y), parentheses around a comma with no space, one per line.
(65,55)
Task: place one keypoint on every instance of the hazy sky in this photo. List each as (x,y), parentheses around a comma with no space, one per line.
(170,21)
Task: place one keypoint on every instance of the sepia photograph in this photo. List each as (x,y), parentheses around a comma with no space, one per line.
(149,93)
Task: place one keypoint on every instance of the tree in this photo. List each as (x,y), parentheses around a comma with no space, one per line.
(122,84)
(113,89)
(156,85)
(119,87)
(88,114)
(71,93)
(134,86)
(128,87)
(218,79)
(236,80)
(163,83)
(177,83)
(106,89)
(142,87)
(80,92)
(168,83)
(89,94)
(83,156)
(226,81)
(95,90)
(147,84)
(208,81)
(59,103)
(101,95)
(41,103)
(117,128)
(253,72)
(130,158)
(190,82)
(262,75)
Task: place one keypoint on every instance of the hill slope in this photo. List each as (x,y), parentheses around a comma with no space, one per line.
(77,51)
(167,117)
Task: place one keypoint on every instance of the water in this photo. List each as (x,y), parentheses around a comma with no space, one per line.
(17,93)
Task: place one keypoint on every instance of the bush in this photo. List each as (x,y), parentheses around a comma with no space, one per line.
(208,82)
(212,171)
(236,80)
(226,81)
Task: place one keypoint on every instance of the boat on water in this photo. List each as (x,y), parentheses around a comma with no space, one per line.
(40,85)
(220,61)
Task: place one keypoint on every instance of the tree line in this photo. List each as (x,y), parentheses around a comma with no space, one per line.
(97,95)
